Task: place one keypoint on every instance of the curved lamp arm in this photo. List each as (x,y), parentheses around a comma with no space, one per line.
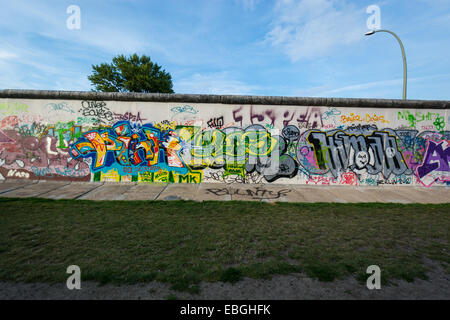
(405,75)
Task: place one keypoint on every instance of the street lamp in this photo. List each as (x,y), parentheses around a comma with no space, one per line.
(403,56)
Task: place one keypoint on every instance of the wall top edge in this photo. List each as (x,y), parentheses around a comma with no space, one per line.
(223,99)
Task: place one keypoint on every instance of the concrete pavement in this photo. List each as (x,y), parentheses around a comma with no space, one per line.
(219,191)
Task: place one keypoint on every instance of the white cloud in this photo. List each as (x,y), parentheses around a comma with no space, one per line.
(7,55)
(213,83)
(249,4)
(373,89)
(97,32)
(312,28)
(363,86)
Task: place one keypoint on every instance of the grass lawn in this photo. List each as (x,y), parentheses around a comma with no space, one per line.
(185,242)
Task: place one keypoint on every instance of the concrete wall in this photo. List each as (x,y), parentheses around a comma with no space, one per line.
(87,136)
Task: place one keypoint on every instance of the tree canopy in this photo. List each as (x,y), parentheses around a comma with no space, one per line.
(131,74)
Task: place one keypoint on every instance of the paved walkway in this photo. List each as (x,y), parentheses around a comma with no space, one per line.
(218,191)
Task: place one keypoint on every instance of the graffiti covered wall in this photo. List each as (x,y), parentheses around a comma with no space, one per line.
(97,140)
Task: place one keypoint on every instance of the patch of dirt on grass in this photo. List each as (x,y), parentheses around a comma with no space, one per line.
(283,287)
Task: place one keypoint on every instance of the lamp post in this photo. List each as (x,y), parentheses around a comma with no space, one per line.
(403,56)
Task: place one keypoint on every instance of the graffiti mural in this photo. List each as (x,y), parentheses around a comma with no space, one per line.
(131,150)
(83,140)
(435,166)
(38,157)
(255,193)
(339,151)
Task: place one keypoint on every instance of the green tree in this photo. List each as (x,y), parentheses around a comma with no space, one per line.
(131,74)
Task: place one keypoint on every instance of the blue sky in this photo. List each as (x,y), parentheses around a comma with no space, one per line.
(311,48)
